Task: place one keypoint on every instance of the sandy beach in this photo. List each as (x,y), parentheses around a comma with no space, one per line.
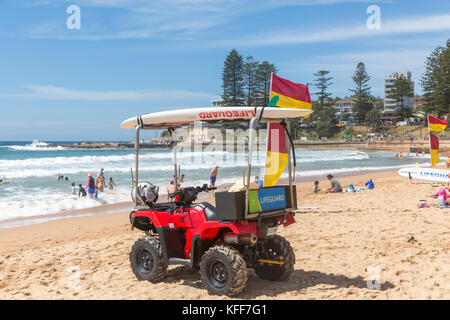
(352,237)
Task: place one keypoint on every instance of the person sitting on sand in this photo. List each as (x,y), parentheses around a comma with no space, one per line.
(335,185)
(171,189)
(442,198)
(111,184)
(315,188)
(259,181)
(81,191)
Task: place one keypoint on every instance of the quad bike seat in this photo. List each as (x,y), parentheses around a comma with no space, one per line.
(210,210)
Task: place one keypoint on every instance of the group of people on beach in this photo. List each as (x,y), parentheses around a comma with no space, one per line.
(171,188)
(93,186)
(335,185)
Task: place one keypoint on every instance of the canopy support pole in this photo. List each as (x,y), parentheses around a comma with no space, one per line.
(251,140)
(137,197)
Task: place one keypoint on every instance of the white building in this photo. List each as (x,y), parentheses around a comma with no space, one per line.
(392,105)
(344,108)
(216,103)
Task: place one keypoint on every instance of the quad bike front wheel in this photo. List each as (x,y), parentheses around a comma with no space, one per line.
(223,271)
(147,260)
(276,260)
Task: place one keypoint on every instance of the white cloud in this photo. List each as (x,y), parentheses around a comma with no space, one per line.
(49,92)
(379,64)
(180,19)
(411,25)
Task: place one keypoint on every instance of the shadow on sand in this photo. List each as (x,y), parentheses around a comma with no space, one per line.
(299,281)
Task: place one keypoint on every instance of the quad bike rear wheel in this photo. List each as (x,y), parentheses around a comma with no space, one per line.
(279,257)
(223,271)
(146,259)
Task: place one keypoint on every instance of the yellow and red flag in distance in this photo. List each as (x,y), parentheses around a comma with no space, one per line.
(277,154)
(436,124)
(290,94)
(434,149)
(439,125)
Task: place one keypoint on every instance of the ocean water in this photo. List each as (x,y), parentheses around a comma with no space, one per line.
(32,172)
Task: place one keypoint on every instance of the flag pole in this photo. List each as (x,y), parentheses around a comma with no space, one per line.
(268,132)
(429,139)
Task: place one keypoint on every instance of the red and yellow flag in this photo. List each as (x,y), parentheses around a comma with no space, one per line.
(291,95)
(277,156)
(436,124)
(284,94)
(434,149)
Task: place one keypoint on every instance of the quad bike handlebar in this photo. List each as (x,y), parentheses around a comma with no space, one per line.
(189,194)
(197,190)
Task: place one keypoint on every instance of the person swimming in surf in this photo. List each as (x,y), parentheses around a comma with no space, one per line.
(111,184)
(81,191)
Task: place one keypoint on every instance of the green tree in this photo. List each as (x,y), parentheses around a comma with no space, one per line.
(324,114)
(361,92)
(322,82)
(264,71)
(436,81)
(373,117)
(251,80)
(401,90)
(233,79)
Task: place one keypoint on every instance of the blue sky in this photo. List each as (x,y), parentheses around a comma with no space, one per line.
(134,57)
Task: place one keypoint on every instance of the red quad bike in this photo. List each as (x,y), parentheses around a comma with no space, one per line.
(222,241)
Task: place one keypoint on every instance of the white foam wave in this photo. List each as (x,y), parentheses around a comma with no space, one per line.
(69,165)
(36,145)
(56,203)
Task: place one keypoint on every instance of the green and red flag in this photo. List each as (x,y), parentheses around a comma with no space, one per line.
(290,94)
(283,94)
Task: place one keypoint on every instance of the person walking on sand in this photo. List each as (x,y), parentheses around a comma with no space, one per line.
(171,189)
(213,176)
(111,184)
(335,185)
(90,186)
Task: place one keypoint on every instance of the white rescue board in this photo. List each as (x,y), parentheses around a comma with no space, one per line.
(428,174)
(177,118)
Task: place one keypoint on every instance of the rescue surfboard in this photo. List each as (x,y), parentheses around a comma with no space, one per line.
(428,174)
(177,118)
